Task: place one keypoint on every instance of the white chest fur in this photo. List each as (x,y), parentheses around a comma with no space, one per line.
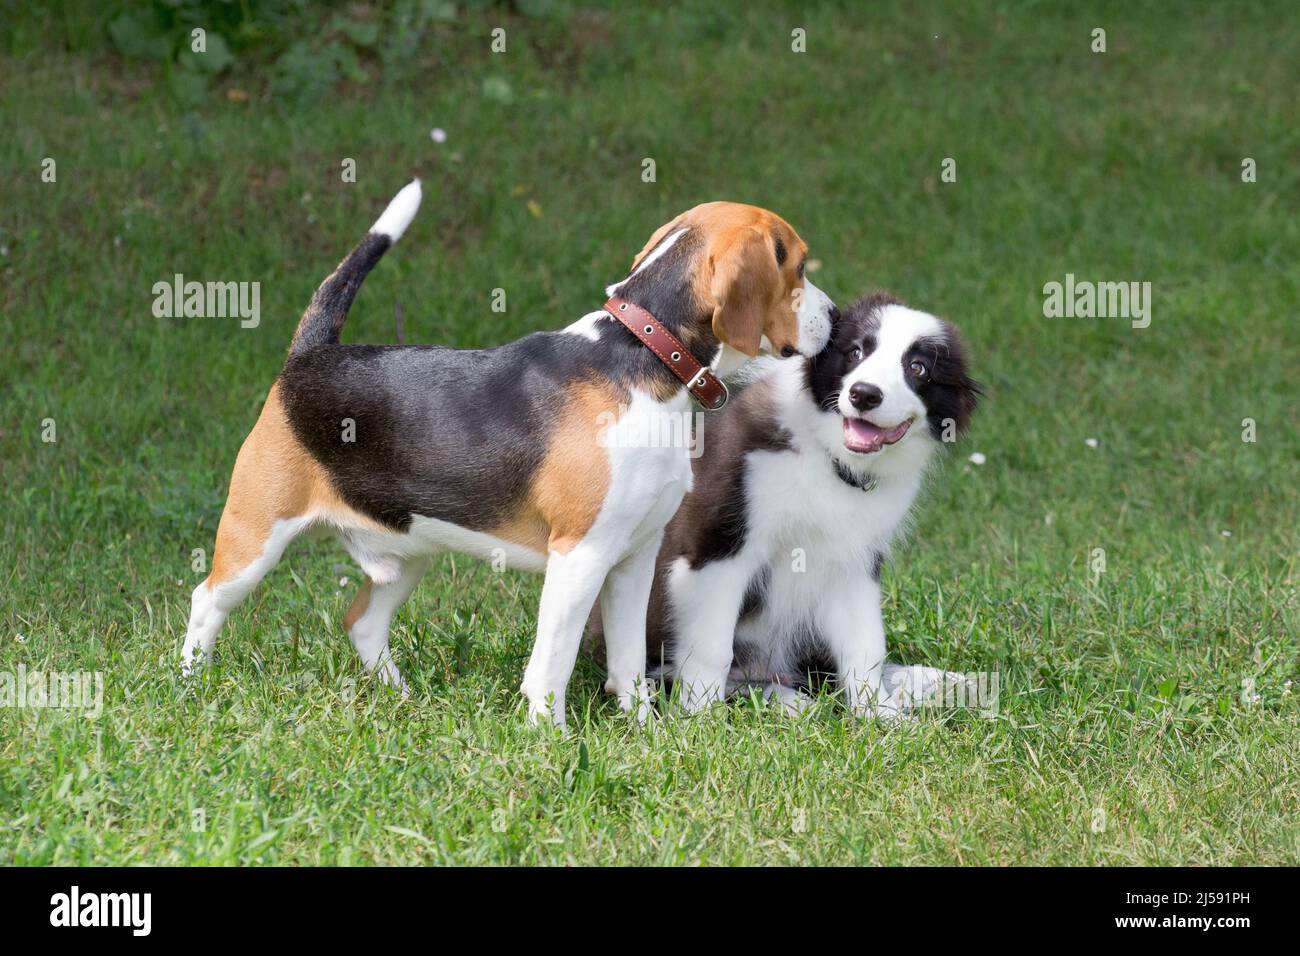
(650,470)
(811,536)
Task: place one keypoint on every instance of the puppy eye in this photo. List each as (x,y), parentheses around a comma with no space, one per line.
(855,353)
(918,369)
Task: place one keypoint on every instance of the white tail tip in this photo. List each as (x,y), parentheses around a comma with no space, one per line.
(400,212)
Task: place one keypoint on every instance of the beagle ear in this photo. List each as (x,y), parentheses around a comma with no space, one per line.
(744,286)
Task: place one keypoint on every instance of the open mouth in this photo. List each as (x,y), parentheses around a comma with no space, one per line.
(864,438)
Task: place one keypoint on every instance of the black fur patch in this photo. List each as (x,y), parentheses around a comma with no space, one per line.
(856,328)
(877,566)
(756,592)
(447,434)
(863,482)
(814,664)
(325,315)
(711,522)
(779,248)
(949,393)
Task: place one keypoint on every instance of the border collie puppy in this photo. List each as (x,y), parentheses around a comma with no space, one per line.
(770,569)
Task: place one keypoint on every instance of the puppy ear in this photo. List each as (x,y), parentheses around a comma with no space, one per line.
(744,284)
(952,370)
(970,393)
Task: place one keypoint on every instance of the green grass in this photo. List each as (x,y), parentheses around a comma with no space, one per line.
(1121,692)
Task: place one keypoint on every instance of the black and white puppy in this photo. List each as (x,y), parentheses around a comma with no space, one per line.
(771,567)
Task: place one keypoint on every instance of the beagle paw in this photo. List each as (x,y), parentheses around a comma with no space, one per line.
(546,713)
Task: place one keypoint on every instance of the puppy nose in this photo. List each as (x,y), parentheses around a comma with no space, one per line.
(864,396)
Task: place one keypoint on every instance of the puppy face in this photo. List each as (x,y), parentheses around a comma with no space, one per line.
(893,376)
(749,278)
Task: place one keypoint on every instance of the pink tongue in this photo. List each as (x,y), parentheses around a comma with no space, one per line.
(862,436)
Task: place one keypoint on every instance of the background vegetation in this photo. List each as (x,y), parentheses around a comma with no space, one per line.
(1147,713)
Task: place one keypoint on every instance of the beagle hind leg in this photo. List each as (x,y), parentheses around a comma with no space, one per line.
(246,551)
(273,488)
(370,618)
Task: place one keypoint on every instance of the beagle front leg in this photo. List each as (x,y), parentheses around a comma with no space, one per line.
(623,603)
(851,626)
(573,581)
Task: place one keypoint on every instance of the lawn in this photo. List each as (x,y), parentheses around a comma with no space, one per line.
(1136,594)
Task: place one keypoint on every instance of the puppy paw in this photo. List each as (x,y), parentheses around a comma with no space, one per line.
(886,708)
(792,701)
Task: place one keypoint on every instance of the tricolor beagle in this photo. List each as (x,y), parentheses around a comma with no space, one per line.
(524,454)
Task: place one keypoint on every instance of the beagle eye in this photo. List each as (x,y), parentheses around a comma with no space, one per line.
(801,265)
(918,368)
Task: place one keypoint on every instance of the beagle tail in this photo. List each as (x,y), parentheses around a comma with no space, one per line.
(324,318)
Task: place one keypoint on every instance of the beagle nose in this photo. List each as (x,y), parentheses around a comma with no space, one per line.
(863,396)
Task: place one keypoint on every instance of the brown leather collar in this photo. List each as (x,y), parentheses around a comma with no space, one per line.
(707,388)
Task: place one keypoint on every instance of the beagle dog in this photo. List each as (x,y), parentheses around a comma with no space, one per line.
(525,455)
